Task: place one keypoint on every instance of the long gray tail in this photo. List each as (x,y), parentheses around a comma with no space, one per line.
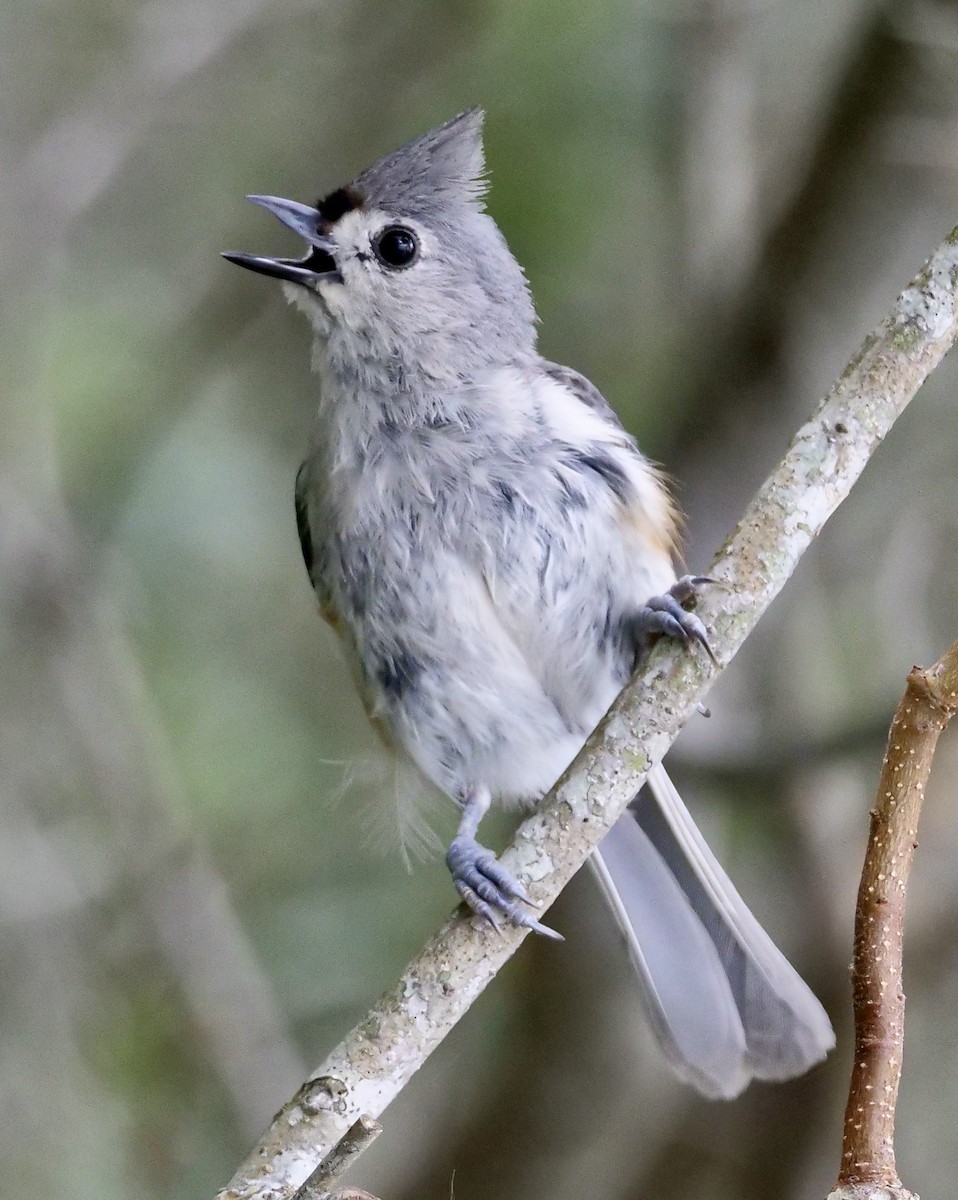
(725,1004)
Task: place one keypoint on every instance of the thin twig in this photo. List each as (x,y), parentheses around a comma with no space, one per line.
(348,1193)
(321,1184)
(375,1061)
(868,1170)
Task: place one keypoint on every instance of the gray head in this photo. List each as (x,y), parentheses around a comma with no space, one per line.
(405,268)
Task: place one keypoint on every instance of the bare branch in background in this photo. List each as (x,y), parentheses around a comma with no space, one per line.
(868,1170)
(741,374)
(748,334)
(720,155)
(375,1061)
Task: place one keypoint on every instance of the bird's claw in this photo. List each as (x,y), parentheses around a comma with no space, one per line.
(488,889)
(665,616)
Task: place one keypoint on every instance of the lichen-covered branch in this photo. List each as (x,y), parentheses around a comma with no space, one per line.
(868,1170)
(373,1063)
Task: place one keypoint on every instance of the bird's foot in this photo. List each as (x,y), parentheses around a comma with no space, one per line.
(488,888)
(665,616)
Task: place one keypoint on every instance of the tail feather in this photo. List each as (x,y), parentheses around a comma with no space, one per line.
(725,1004)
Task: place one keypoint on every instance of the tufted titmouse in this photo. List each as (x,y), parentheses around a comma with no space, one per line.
(494,553)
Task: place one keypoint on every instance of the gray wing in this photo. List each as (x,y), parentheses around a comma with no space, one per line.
(313,556)
(582,388)
(302,520)
(725,1004)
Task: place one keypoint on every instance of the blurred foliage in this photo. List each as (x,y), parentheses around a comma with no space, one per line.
(714,202)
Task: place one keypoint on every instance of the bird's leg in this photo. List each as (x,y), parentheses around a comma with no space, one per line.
(480,879)
(664,616)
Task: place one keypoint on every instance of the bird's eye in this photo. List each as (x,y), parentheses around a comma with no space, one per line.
(396,246)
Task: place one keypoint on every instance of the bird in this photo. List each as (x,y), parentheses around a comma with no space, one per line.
(496,556)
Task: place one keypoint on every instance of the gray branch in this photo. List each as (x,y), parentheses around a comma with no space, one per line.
(375,1061)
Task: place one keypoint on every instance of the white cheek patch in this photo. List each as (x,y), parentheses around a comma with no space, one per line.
(353,230)
(371,299)
(354,233)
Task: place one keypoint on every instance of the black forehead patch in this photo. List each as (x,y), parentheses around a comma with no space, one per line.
(338,203)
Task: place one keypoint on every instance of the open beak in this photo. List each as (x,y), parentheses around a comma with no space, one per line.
(318,263)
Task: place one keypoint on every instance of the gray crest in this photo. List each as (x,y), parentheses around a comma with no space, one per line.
(423,178)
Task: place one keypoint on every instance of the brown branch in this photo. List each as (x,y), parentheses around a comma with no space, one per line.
(321,1185)
(868,1144)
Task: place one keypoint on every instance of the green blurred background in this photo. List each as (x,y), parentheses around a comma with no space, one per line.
(714,200)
